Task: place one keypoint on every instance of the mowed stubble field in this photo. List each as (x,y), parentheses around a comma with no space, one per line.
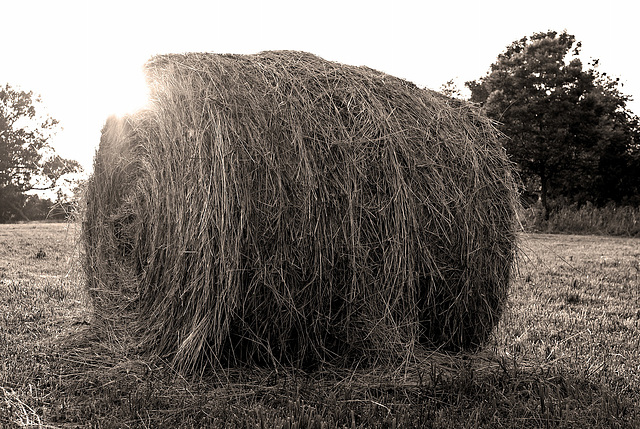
(566,354)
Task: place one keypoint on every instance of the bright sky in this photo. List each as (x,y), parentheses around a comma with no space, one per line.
(85,57)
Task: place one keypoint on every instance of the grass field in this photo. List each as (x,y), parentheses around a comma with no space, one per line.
(567,354)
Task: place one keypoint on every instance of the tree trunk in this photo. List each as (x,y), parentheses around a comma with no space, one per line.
(543,197)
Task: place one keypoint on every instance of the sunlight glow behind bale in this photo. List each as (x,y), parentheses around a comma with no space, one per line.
(282,209)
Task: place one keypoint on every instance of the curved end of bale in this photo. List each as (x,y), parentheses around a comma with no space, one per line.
(111,278)
(282,209)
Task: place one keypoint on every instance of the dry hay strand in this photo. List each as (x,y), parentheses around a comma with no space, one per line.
(278,208)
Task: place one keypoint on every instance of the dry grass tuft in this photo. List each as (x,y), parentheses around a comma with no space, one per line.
(282,209)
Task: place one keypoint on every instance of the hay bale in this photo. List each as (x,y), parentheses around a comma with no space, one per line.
(280,208)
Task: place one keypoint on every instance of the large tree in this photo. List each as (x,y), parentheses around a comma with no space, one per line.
(27,161)
(568,127)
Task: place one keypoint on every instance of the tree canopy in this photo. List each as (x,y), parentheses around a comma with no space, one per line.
(27,161)
(568,126)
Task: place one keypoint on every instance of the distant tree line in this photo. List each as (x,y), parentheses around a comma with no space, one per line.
(568,127)
(28,163)
(37,208)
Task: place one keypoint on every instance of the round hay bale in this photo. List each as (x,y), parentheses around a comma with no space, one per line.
(282,209)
